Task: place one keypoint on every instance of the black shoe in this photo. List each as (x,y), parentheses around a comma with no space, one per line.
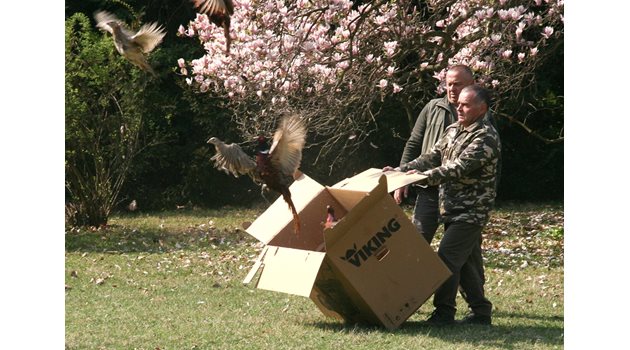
(476,319)
(440,319)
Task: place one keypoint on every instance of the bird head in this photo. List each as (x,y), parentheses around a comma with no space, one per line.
(113,24)
(213,140)
(261,141)
(261,144)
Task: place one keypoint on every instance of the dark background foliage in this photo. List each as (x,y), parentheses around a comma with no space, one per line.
(177,169)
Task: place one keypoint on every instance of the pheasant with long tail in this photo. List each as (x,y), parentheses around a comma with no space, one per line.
(219,13)
(274,166)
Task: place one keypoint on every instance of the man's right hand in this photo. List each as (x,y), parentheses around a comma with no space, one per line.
(401,194)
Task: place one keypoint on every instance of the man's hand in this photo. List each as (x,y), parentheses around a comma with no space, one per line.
(388,168)
(401,194)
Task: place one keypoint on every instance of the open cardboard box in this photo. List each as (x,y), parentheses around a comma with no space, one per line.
(371,267)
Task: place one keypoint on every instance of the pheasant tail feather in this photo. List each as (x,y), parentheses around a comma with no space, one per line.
(296,219)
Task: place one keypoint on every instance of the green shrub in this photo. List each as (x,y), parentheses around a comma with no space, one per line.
(103,122)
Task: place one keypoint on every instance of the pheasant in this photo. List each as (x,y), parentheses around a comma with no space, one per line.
(219,12)
(274,167)
(133,46)
(331,219)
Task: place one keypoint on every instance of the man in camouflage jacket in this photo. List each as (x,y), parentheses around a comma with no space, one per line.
(464,164)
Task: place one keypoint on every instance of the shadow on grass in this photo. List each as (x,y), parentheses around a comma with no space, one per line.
(115,240)
(194,212)
(510,336)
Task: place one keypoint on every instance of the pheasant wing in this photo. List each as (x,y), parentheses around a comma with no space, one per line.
(288,142)
(231,158)
(103,18)
(102,21)
(215,6)
(149,36)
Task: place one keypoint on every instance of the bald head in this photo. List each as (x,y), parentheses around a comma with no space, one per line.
(457,78)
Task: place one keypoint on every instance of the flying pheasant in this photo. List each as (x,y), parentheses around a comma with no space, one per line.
(274,167)
(219,12)
(133,46)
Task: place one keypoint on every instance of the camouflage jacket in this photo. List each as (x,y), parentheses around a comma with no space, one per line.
(464,163)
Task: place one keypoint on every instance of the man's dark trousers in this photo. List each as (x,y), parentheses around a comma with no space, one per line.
(460,250)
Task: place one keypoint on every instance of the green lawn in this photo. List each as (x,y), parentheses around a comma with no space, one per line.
(173,280)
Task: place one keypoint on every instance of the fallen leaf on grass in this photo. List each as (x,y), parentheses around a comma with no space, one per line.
(100,280)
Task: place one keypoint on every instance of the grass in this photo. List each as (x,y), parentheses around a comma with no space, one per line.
(172,280)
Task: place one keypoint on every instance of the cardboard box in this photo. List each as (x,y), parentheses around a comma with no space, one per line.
(372,267)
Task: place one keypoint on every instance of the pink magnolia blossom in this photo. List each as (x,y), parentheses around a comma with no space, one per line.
(380,20)
(309,51)
(390,47)
(519,30)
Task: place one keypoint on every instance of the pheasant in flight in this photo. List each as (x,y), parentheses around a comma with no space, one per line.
(133,46)
(219,12)
(275,167)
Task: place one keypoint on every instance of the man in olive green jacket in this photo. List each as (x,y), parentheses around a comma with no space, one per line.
(429,127)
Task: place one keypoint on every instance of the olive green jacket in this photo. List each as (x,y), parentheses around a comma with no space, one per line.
(430,125)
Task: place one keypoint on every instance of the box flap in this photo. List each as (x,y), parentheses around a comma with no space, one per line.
(256,267)
(278,216)
(312,220)
(366,180)
(346,198)
(290,270)
(368,200)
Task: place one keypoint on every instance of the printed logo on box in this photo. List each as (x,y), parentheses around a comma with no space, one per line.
(357,257)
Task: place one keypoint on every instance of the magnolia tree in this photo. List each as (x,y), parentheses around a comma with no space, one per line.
(337,61)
